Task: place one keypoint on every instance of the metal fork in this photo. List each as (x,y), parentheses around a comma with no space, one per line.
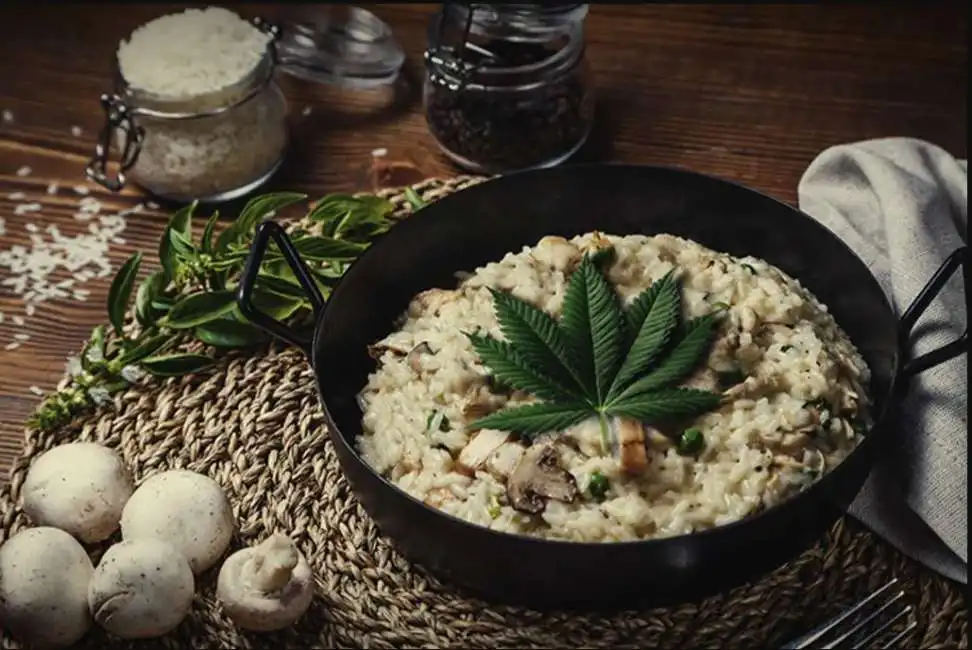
(875,615)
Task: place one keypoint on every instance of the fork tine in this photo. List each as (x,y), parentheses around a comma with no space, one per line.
(860,625)
(815,634)
(900,635)
(875,633)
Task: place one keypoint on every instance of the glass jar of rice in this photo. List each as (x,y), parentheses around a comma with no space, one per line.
(196,113)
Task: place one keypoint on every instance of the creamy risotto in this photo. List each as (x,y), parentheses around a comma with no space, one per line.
(793,385)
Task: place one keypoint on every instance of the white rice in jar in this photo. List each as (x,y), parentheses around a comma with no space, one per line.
(794,389)
(216,68)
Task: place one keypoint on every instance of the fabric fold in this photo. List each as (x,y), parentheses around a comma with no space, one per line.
(901,205)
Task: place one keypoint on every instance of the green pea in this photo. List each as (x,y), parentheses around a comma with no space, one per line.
(598,485)
(691,442)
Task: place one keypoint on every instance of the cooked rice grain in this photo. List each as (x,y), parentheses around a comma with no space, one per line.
(761,448)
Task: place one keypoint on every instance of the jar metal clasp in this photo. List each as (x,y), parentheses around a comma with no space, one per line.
(447,64)
(117,117)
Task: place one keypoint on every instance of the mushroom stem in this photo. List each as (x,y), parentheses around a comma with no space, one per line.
(266,587)
(272,565)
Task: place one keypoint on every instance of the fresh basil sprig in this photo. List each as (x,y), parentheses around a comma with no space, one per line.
(191,297)
(600,360)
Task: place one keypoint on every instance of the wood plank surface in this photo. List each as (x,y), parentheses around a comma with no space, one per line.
(747,92)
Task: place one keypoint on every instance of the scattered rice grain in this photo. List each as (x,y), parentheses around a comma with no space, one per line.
(17,320)
(16,196)
(8,116)
(76,131)
(12,346)
(53,262)
(24,171)
(20,336)
(29,310)
(81,189)
(307,111)
(378,153)
(26,208)
(36,390)
(52,189)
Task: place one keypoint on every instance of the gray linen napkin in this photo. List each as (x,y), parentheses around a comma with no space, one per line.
(901,205)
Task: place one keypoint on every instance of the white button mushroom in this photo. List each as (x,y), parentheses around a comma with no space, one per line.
(80,488)
(185,509)
(266,587)
(44,575)
(141,589)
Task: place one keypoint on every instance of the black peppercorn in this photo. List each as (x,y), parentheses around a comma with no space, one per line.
(511,127)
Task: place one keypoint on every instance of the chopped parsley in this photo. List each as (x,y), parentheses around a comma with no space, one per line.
(494,508)
(437,421)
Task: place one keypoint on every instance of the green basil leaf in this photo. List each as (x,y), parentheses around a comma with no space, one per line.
(163,303)
(325,277)
(181,246)
(206,243)
(199,308)
(258,208)
(229,333)
(180,222)
(120,292)
(281,285)
(252,213)
(174,365)
(148,291)
(226,264)
(330,210)
(146,348)
(274,305)
(98,339)
(327,248)
(93,353)
(417,201)
(342,213)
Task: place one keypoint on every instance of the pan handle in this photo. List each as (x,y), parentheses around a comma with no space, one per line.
(913,367)
(244,296)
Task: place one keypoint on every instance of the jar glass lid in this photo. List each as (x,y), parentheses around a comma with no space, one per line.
(339,45)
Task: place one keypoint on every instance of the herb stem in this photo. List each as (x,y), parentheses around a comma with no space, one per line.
(605,432)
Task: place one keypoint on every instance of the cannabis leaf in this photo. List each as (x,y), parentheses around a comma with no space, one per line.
(601,360)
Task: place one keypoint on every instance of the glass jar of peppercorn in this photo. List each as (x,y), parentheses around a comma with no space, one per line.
(506,85)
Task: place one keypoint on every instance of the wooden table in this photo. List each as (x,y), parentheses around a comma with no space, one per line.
(751,93)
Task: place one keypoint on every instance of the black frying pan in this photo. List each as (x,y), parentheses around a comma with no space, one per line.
(481,224)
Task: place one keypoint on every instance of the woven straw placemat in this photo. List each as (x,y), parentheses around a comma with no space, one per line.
(254,424)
